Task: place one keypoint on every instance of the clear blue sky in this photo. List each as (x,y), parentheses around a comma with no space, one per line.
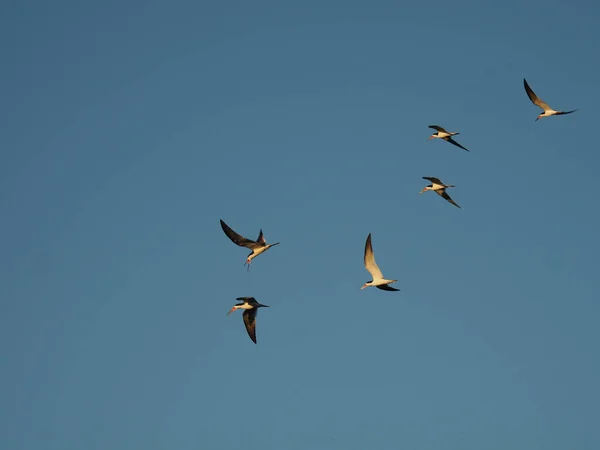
(130,128)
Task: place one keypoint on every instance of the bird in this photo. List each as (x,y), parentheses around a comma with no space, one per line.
(250,307)
(537,101)
(378,281)
(439,188)
(445,135)
(259,246)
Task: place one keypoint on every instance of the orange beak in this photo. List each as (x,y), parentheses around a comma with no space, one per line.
(231,310)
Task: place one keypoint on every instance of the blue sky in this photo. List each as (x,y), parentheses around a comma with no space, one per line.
(130,128)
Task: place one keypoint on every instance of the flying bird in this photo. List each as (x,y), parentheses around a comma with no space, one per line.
(259,246)
(445,135)
(250,307)
(439,188)
(537,101)
(378,281)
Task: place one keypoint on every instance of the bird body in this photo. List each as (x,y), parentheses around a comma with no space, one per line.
(240,306)
(548,111)
(445,135)
(250,307)
(257,247)
(378,280)
(439,188)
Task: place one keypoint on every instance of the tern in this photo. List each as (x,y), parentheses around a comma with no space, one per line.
(259,246)
(378,281)
(445,135)
(536,101)
(250,307)
(439,188)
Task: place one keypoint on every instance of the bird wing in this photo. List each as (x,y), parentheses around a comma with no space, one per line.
(445,195)
(438,128)
(246,299)
(565,112)
(434,180)
(452,141)
(249,317)
(370,263)
(534,98)
(236,238)
(261,239)
(386,287)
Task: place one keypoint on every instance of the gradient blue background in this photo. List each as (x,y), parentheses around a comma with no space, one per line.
(130,128)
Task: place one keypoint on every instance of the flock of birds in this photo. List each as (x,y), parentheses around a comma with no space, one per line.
(250,305)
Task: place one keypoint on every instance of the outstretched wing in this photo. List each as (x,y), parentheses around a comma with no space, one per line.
(236,238)
(445,195)
(452,141)
(261,239)
(560,113)
(434,180)
(438,128)
(534,98)
(386,287)
(249,317)
(370,263)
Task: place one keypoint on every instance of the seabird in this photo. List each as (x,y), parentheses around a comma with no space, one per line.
(378,281)
(259,246)
(250,307)
(445,135)
(536,101)
(439,188)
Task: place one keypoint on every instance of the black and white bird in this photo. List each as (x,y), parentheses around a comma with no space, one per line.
(445,135)
(378,280)
(259,246)
(250,307)
(537,101)
(439,188)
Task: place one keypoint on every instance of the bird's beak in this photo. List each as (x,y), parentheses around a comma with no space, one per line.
(363,286)
(422,190)
(538,118)
(430,138)
(231,310)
